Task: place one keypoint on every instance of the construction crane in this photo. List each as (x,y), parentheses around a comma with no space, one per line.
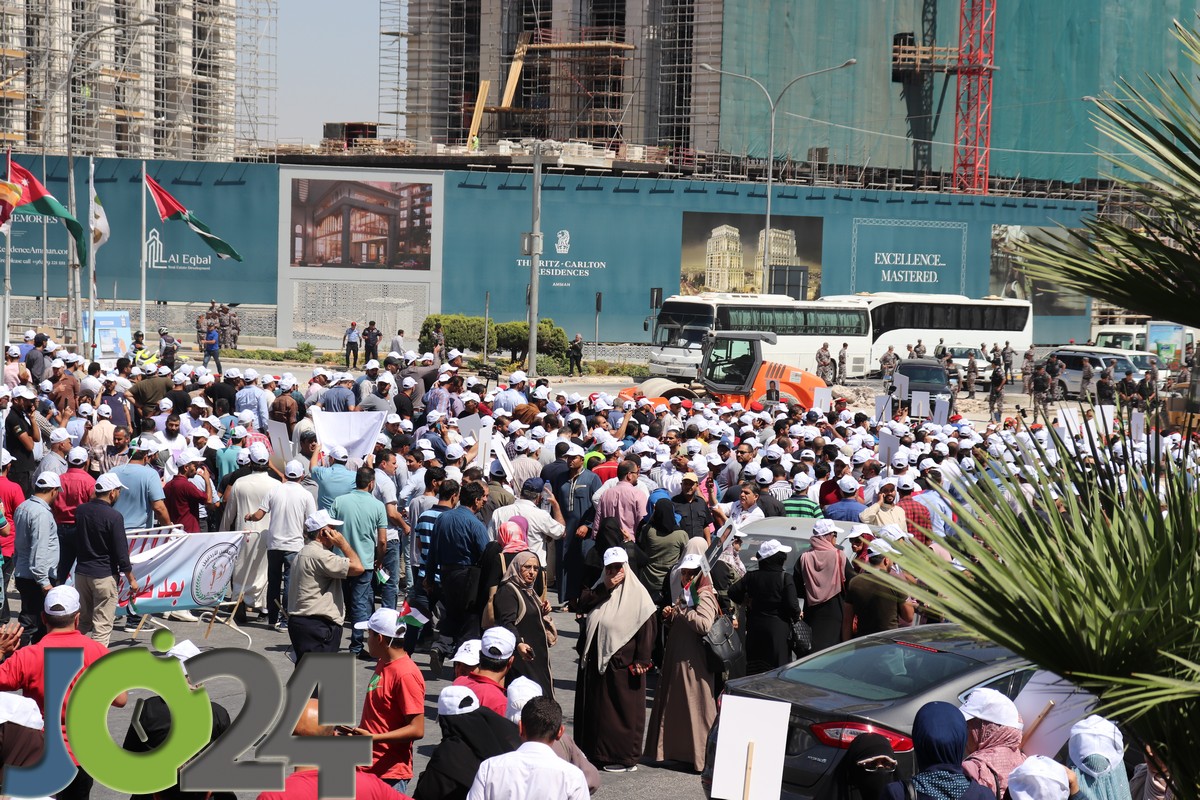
(972,62)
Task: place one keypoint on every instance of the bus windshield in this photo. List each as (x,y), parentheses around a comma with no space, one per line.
(1121,340)
(682,324)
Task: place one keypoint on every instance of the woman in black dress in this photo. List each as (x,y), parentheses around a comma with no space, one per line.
(820,575)
(769,595)
(522,611)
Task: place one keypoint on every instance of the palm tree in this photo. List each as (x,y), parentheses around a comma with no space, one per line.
(1089,577)
(1095,580)
(1153,265)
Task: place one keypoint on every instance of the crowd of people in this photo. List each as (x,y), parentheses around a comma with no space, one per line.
(440,540)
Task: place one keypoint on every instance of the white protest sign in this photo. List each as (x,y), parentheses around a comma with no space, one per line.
(484,436)
(281,443)
(354,430)
(1049,706)
(888,445)
(1069,417)
(941,411)
(751,737)
(900,381)
(469,425)
(1107,416)
(883,407)
(1137,426)
(823,398)
(919,407)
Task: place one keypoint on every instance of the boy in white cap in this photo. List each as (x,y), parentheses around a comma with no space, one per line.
(496,649)
(393,712)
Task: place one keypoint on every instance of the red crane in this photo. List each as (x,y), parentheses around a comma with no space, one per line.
(973,112)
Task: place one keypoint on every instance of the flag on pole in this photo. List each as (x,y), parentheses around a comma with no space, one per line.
(10,195)
(411,616)
(42,202)
(170,208)
(99,221)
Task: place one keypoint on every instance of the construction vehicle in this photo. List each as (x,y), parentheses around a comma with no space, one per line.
(733,371)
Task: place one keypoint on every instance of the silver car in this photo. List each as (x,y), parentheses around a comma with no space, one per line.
(1070,375)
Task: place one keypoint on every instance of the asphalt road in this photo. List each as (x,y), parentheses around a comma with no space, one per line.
(649,782)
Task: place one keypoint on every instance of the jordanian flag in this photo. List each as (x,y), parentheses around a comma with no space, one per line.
(170,208)
(33,194)
(10,195)
(412,617)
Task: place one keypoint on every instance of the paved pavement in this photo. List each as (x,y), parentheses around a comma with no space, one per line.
(649,782)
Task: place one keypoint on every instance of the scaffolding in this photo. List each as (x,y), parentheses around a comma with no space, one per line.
(180,79)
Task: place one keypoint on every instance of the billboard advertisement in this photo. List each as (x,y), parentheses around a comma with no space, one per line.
(357,245)
(238,201)
(724,253)
(908,255)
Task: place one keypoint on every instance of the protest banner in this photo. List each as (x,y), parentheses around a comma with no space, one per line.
(354,430)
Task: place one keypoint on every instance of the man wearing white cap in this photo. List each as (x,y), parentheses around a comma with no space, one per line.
(36,548)
(141,504)
(878,605)
(288,504)
(55,459)
(316,605)
(77,487)
(497,647)
(244,498)
(514,395)
(848,508)
(181,496)
(393,710)
(103,555)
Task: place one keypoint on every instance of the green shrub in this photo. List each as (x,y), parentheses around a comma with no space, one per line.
(463,332)
(514,337)
(306,351)
(548,365)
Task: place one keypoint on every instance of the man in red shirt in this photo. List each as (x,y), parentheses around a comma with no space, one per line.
(302,784)
(916,514)
(23,668)
(77,487)
(181,496)
(496,650)
(393,712)
(11,495)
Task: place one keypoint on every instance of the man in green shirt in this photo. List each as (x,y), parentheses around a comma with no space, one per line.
(365,527)
(799,504)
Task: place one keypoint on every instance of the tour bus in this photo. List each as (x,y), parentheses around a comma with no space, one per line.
(801,327)
(1129,337)
(900,319)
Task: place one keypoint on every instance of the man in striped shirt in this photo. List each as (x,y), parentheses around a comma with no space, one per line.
(422,536)
(800,504)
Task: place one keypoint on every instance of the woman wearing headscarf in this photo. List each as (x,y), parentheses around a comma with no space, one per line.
(994,735)
(610,691)
(662,540)
(610,535)
(684,704)
(728,569)
(1097,755)
(771,607)
(820,575)
(939,743)
(867,768)
(512,537)
(519,608)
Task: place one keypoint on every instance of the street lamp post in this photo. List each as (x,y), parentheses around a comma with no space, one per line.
(773,103)
(72,256)
(533,249)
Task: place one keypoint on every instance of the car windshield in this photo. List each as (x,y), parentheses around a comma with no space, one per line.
(922,374)
(964,352)
(1142,362)
(878,670)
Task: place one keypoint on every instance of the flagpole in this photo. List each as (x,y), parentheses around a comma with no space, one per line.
(91,354)
(142,324)
(45,248)
(7,280)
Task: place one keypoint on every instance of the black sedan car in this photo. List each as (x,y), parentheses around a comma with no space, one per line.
(872,684)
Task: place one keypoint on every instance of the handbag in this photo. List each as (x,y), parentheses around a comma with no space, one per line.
(800,639)
(723,644)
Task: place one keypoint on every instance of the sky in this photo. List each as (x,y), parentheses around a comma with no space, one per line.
(328,65)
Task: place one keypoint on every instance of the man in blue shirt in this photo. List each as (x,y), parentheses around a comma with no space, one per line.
(339,397)
(251,398)
(350,340)
(459,539)
(848,508)
(141,501)
(514,395)
(212,346)
(365,529)
(332,481)
(579,510)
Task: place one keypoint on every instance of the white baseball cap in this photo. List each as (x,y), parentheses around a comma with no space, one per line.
(880,547)
(372,364)
(166,404)
(467,653)
(190,455)
(454,452)
(385,621)
(183,651)
(107,482)
(104,411)
(764,477)
(847,483)
(164,370)
(319,520)
(47,480)
(59,435)
(6,458)
(86,410)
(615,555)
(770,547)
(574,450)
(520,691)
(259,453)
(1039,778)
(990,705)
(691,561)
(294,469)
(338,453)
(518,377)
(498,643)
(823,527)
(61,600)
(455,700)
(77,455)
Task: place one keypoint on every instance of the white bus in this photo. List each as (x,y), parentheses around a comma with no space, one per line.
(801,327)
(900,319)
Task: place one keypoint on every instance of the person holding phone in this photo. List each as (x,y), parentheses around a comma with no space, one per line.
(316,608)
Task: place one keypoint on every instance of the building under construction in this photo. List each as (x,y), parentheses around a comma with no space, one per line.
(174,79)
